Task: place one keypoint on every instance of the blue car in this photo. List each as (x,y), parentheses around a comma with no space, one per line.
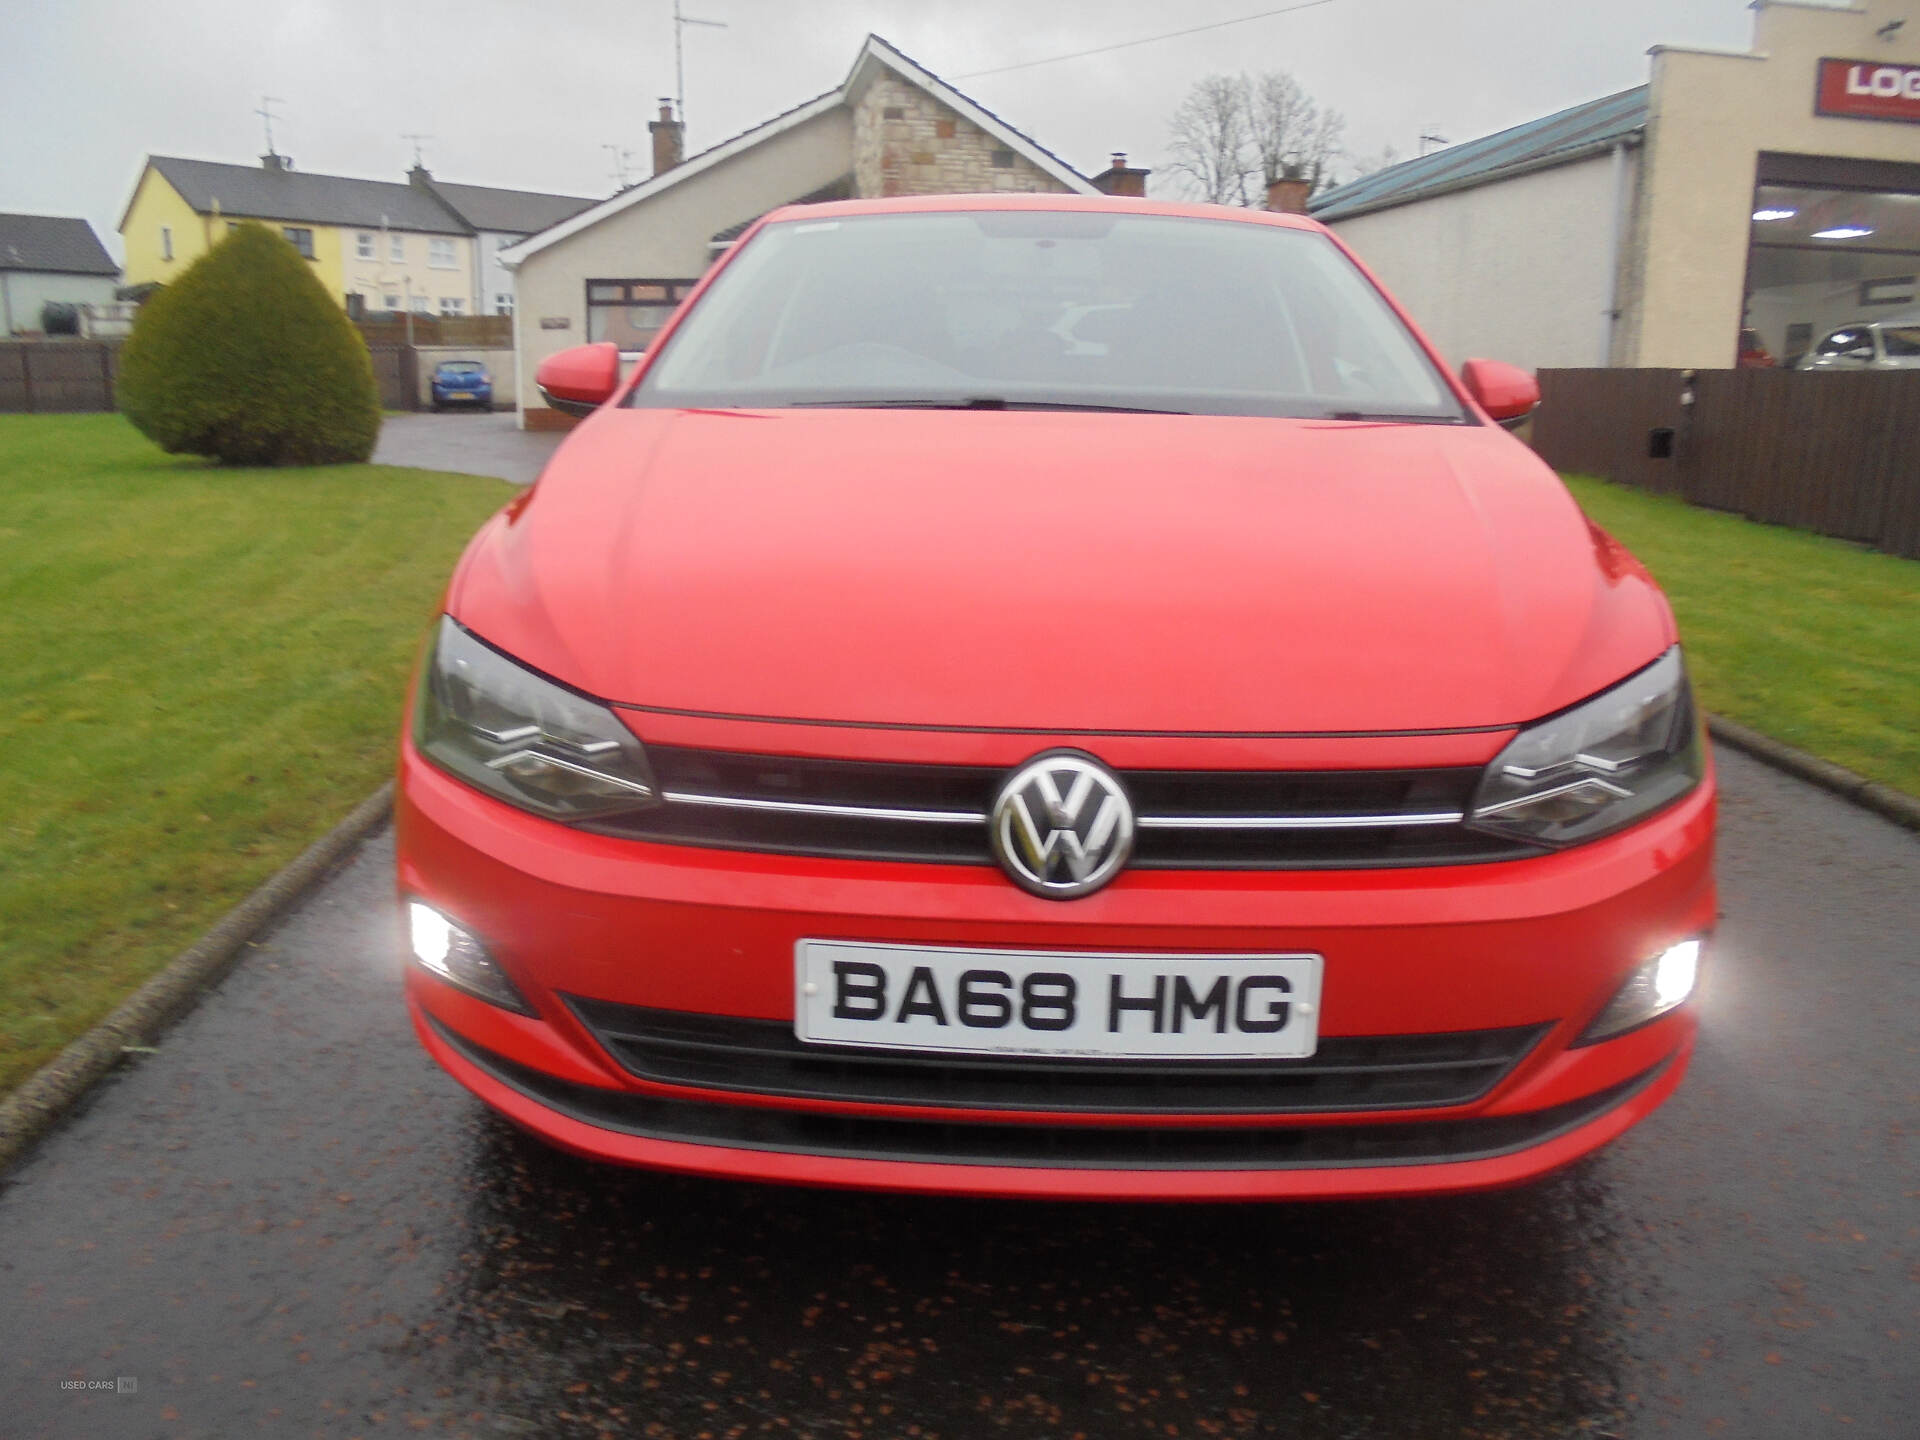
(462,382)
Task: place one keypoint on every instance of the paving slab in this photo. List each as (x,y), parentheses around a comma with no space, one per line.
(466,442)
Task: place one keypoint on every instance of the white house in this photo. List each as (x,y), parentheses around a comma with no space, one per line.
(50,259)
(616,271)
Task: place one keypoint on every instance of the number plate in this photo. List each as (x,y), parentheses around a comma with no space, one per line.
(1056,1002)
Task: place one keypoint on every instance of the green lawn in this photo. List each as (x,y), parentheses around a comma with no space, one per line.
(203,674)
(1813,641)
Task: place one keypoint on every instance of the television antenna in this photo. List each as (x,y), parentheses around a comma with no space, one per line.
(621,156)
(680,23)
(417,139)
(265,112)
(1431,137)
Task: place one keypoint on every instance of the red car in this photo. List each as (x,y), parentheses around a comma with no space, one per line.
(1054,697)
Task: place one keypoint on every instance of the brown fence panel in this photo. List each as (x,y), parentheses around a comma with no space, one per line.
(1610,423)
(14,393)
(56,376)
(394,372)
(487,332)
(1838,454)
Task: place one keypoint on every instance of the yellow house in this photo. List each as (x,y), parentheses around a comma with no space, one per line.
(376,245)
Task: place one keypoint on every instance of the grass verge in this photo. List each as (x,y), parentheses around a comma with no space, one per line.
(1813,641)
(203,675)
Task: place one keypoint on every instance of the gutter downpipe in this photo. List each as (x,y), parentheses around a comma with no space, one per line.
(1611,315)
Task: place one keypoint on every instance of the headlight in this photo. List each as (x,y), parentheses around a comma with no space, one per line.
(459,959)
(1600,766)
(523,738)
(1653,989)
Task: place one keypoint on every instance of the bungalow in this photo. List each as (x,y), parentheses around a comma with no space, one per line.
(616,271)
(50,259)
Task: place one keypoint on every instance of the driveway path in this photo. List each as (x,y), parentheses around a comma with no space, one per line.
(288,1222)
(467,443)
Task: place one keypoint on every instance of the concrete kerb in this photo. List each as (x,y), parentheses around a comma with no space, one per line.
(1883,800)
(38,1105)
(54,1089)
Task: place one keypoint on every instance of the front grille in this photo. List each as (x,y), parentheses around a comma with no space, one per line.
(1424,1142)
(1188,820)
(1386,1072)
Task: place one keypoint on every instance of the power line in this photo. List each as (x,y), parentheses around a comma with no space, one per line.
(1146,40)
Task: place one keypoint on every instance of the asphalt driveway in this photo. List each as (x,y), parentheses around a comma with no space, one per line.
(287,1221)
(467,443)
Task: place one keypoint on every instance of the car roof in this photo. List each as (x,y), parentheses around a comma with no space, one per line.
(1109,204)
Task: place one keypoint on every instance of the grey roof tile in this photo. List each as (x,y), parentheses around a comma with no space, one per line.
(296,195)
(1553,139)
(512,212)
(52,243)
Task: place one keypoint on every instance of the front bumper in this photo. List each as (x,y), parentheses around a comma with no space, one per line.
(1420,951)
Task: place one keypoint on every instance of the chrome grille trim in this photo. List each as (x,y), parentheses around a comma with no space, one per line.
(816,807)
(1297,822)
(1151,822)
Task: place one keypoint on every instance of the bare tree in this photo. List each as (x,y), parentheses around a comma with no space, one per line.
(1209,140)
(1234,135)
(1291,135)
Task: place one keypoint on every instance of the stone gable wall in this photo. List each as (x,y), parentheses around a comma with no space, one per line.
(907,143)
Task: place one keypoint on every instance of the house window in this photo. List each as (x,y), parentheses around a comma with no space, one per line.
(631,312)
(503,304)
(420,305)
(440,253)
(363,245)
(166,242)
(1003,159)
(300,238)
(396,248)
(392,302)
(452,305)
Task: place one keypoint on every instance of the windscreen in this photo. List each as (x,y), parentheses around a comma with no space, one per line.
(1047,309)
(460,367)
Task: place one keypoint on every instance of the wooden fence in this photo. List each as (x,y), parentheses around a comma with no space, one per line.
(396,368)
(1838,454)
(485,332)
(56,376)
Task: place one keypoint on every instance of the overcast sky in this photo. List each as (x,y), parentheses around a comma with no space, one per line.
(525,93)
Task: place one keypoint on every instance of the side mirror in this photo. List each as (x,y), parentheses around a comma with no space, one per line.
(580,380)
(1506,392)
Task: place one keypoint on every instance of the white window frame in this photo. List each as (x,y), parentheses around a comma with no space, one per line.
(397,249)
(363,245)
(503,302)
(423,304)
(166,242)
(440,253)
(452,305)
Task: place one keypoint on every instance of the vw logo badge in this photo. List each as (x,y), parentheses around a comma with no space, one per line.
(1061,826)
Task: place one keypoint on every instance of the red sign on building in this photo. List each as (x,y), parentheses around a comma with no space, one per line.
(1868,90)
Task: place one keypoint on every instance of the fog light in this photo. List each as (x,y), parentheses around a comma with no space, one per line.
(459,959)
(1650,992)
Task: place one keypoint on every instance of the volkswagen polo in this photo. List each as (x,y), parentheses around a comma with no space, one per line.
(1054,697)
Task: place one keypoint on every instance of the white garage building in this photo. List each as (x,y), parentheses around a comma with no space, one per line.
(1741,201)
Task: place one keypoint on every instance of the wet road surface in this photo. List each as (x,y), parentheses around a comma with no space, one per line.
(288,1222)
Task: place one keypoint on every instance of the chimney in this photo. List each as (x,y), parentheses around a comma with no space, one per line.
(277,163)
(1120,179)
(667,138)
(1288,192)
(420,178)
